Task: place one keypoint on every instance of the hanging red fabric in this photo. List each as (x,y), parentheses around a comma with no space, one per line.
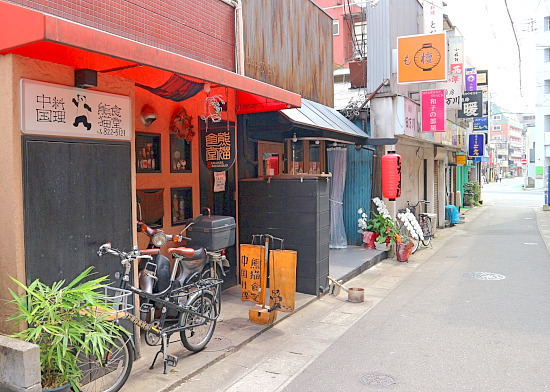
(391,175)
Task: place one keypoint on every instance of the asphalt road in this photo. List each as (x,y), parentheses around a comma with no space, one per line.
(471,314)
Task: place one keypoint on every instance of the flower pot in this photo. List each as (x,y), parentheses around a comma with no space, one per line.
(384,246)
(403,250)
(368,238)
(62,388)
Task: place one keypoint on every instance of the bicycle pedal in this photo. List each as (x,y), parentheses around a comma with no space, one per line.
(172,360)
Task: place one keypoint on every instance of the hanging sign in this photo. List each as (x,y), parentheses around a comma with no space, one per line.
(481,124)
(433,16)
(472,105)
(456,50)
(453,91)
(433,110)
(482,78)
(218,145)
(422,58)
(461,159)
(470,77)
(55,110)
(476,144)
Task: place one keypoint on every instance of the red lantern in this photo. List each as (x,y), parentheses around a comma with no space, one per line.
(391,175)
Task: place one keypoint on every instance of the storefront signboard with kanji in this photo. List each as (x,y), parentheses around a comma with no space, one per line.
(476,144)
(481,124)
(422,58)
(56,110)
(433,110)
(472,104)
(218,148)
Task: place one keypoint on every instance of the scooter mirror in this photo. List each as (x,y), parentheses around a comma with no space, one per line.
(197,219)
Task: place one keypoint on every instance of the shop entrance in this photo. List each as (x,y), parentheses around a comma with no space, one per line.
(77,196)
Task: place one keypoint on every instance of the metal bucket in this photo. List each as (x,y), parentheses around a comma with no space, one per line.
(356,294)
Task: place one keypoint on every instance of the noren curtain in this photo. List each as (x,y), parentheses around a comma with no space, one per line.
(337,166)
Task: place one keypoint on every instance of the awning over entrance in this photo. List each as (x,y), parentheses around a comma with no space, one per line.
(37,35)
(311,121)
(316,115)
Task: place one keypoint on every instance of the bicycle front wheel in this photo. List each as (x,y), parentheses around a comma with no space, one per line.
(110,373)
(427,230)
(199,329)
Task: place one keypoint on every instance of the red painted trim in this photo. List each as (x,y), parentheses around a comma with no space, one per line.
(51,29)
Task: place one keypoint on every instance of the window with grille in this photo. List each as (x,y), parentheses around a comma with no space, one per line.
(360,39)
(547,86)
(497,117)
(547,55)
(547,123)
(547,23)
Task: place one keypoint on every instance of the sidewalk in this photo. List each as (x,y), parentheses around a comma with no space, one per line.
(235,330)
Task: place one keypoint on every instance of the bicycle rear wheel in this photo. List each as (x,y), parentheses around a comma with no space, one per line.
(427,230)
(111,373)
(199,329)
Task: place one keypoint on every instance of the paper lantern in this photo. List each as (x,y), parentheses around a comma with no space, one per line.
(391,176)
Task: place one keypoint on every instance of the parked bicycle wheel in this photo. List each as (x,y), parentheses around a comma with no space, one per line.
(427,230)
(200,330)
(110,373)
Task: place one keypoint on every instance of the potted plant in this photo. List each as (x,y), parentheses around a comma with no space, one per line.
(366,228)
(403,247)
(63,322)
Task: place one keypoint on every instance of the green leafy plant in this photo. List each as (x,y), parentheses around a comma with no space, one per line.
(63,322)
(472,193)
(386,228)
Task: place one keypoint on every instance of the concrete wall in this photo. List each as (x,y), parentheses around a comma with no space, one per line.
(19,366)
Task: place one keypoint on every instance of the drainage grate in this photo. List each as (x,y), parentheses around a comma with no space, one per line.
(377,380)
(483,276)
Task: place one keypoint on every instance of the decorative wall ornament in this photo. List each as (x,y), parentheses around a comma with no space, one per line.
(181,125)
(213,107)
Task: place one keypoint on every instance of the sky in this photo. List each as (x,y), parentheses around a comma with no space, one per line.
(490,43)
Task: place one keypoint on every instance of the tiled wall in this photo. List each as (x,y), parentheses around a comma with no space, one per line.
(202,30)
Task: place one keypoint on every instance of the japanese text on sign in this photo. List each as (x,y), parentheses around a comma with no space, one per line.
(51,109)
(252,259)
(433,110)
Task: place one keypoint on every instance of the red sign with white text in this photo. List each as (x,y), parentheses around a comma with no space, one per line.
(433,110)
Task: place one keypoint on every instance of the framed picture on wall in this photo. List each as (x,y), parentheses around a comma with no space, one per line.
(150,206)
(180,155)
(181,205)
(147,153)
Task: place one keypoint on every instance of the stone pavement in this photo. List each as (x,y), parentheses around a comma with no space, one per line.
(235,330)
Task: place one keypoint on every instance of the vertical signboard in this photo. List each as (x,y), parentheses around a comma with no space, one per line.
(55,110)
(218,145)
(433,16)
(422,58)
(453,91)
(471,104)
(470,78)
(433,110)
(476,144)
(456,50)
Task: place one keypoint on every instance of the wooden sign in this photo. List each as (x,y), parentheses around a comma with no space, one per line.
(252,262)
(282,279)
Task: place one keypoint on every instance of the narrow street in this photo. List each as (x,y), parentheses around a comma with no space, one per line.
(471,314)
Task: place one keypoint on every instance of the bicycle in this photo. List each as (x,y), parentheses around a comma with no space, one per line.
(424,221)
(197,304)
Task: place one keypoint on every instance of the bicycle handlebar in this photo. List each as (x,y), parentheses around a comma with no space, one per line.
(133,255)
(417,203)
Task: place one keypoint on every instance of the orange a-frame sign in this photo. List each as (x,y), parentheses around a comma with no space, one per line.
(422,58)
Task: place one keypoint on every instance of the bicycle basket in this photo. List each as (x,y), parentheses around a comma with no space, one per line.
(116,303)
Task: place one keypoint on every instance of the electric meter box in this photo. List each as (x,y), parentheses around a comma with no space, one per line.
(213,232)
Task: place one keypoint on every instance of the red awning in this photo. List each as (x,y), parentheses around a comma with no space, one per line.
(37,35)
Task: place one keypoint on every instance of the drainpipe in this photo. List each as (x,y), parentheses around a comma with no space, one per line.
(239,37)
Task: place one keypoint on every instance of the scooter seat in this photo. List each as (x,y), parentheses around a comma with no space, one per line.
(189,253)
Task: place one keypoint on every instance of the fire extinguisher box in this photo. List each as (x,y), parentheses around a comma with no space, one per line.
(213,232)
